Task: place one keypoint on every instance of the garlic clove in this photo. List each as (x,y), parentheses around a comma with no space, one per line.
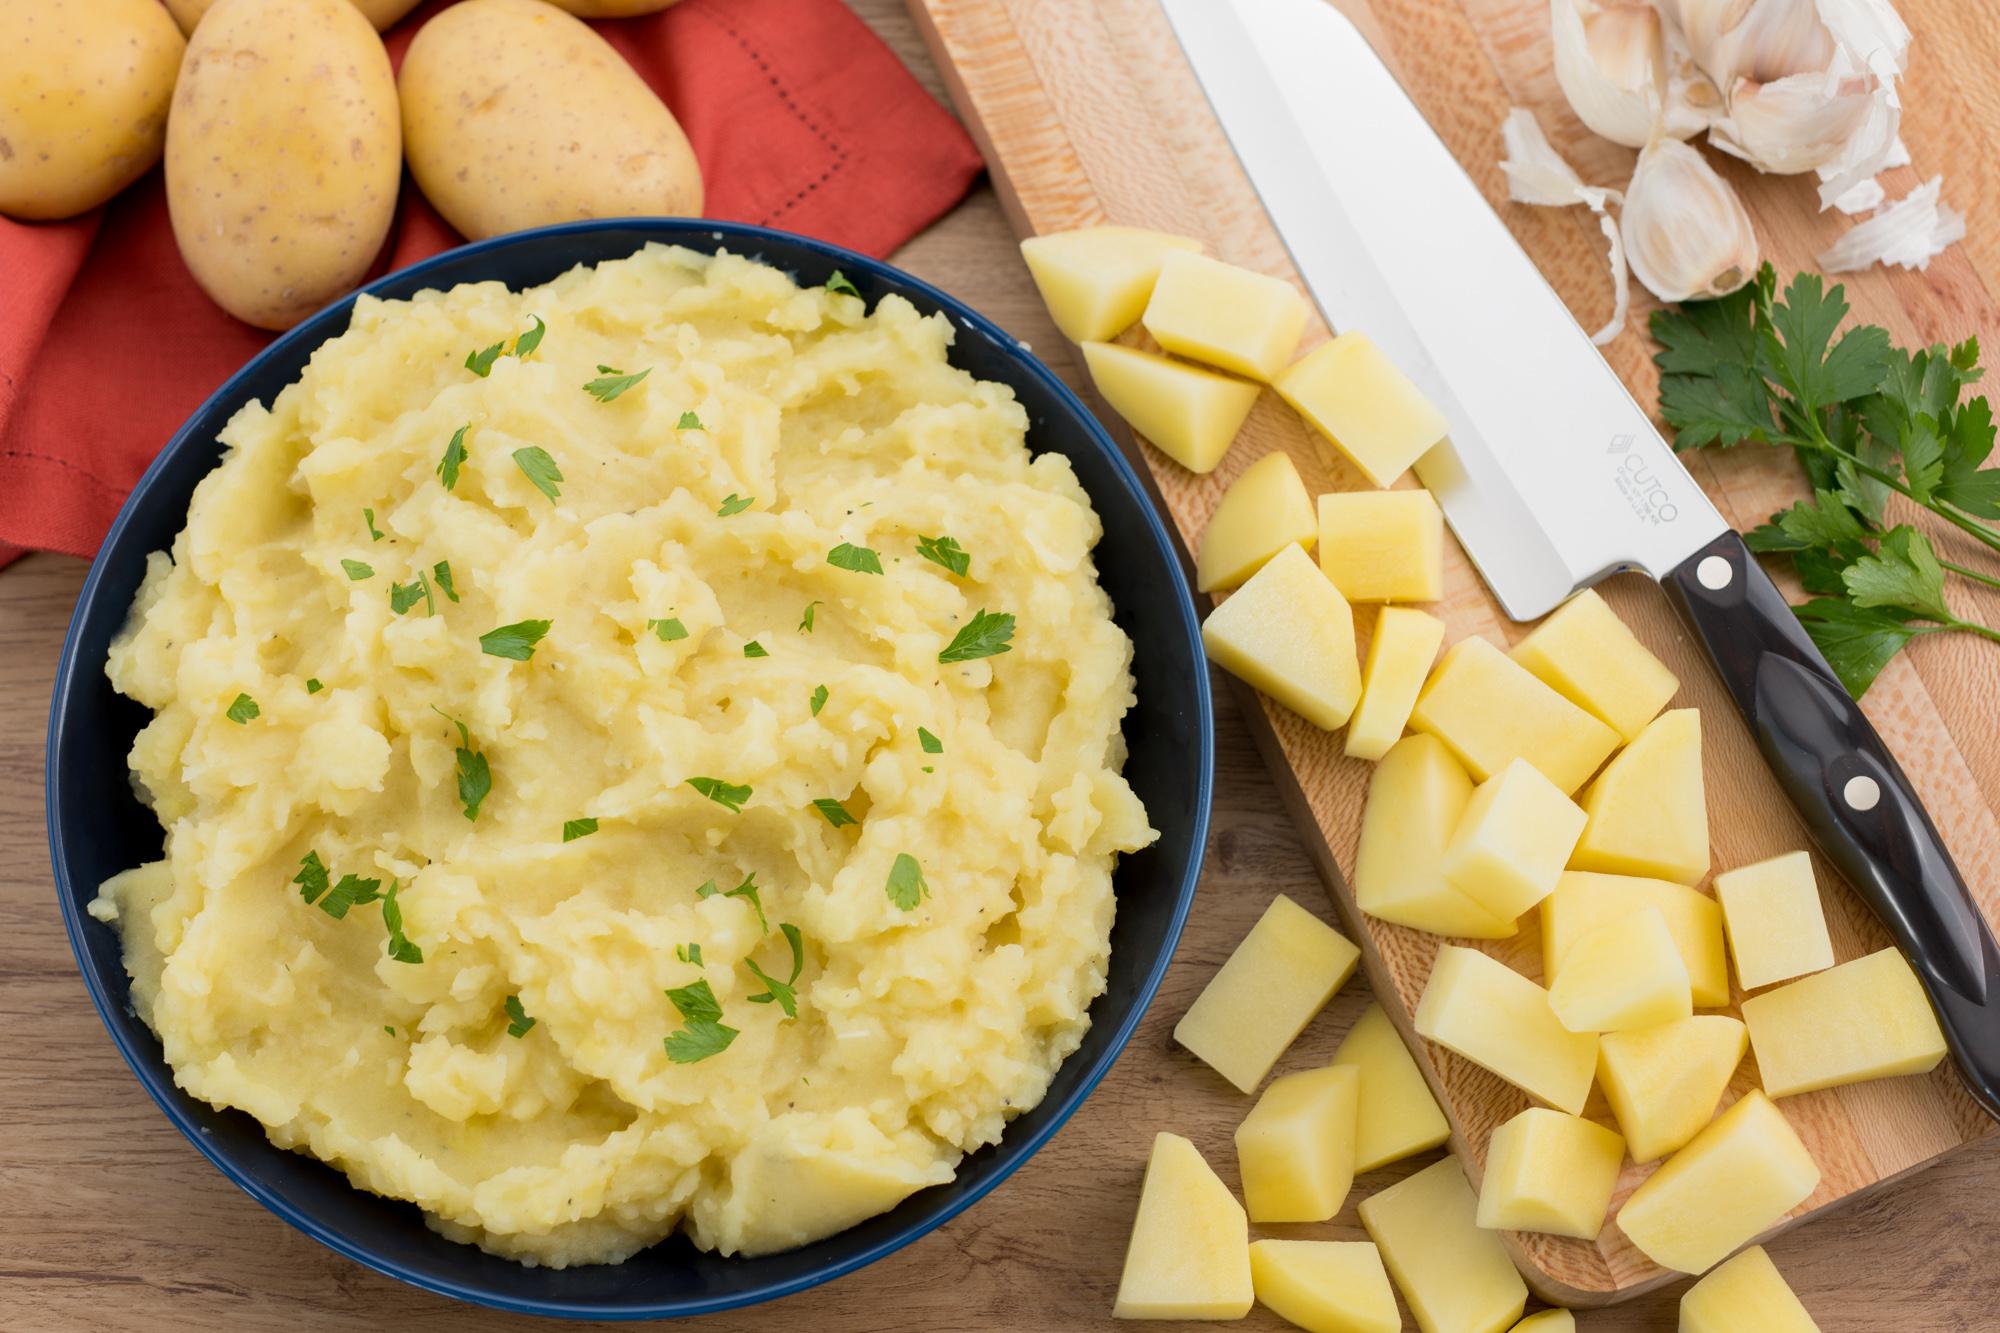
(1910,232)
(1611,60)
(1759,40)
(1796,123)
(1686,233)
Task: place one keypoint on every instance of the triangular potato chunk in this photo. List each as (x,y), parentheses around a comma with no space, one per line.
(1664,1082)
(1190,1252)
(1648,809)
(1096,280)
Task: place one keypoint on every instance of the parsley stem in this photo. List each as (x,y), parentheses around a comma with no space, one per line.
(1950,514)
(1973,574)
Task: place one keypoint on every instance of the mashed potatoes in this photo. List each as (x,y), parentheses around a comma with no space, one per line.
(743,896)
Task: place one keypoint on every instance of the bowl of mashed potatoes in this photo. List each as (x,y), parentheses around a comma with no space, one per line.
(630,769)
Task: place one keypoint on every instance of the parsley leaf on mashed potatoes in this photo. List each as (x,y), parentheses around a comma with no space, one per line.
(521,1081)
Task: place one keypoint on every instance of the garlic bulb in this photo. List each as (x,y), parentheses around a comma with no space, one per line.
(1538,174)
(1623,76)
(1759,40)
(1686,233)
(1796,123)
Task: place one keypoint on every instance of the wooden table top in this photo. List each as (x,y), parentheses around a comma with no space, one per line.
(109,1220)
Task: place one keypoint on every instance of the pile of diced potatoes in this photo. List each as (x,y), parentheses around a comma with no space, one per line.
(1548,778)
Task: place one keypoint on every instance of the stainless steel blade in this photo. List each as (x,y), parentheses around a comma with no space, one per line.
(1552,477)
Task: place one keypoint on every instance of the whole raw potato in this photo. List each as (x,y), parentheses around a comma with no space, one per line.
(612,9)
(83,100)
(517,115)
(283,155)
(381,13)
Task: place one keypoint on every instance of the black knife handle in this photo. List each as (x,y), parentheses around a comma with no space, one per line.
(1852,793)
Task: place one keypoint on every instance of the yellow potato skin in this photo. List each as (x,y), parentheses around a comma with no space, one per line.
(517,115)
(381,13)
(283,155)
(84,90)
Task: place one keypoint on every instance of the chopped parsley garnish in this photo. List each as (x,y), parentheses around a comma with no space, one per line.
(374,534)
(755,649)
(931,744)
(481,362)
(857,558)
(518,1022)
(819,700)
(982,636)
(312,878)
(515,642)
(401,948)
(351,891)
(403,596)
(242,709)
(833,811)
(945,551)
(783,992)
(746,890)
(839,283)
(475,778)
(727,795)
(735,504)
(313,686)
(611,382)
(688,953)
(702,1032)
(906,887)
(578,828)
(539,468)
(388,1029)
(358,570)
(454,457)
(669,629)
(441,575)
(806,620)
(689,421)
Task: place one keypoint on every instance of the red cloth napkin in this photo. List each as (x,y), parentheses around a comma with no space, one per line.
(801,119)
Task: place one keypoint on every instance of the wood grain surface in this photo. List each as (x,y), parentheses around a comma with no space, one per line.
(109,1220)
(1088,112)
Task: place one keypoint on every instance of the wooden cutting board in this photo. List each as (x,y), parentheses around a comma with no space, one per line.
(1087,112)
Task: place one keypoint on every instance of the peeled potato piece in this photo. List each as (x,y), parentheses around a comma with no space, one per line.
(1190,414)
(1096,280)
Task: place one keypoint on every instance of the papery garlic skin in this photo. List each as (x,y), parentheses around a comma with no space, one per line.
(1796,123)
(1538,174)
(1910,232)
(1687,236)
(1623,76)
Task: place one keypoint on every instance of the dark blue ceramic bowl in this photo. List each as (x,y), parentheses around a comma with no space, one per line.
(97,828)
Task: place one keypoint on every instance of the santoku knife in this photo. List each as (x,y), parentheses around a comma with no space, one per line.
(1552,477)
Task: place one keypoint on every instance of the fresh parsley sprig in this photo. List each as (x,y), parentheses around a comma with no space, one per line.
(747,891)
(475,776)
(702,1032)
(783,993)
(518,1022)
(985,635)
(1868,421)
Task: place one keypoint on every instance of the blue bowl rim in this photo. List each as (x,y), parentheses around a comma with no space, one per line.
(151,1069)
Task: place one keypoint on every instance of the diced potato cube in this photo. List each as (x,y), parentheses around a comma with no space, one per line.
(1546,1321)
(1399,657)
(1325,1286)
(1096,280)
(1396,1115)
(1355,396)
(1625,974)
(1191,415)
(1490,711)
(1263,511)
(1585,900)
(1382,546)
(1745,1295)
(1586,654)
(1295,1150)
(1456,1278)
(1189,1257)
(1289,633)
(1549,1172)
(1415,798)
(1225,316)
(1665,1082)
(1737,1177)
(1648,808)
(1508,849)
(1485,1011)
(1864,1019)
(1283,973)
(1772,914)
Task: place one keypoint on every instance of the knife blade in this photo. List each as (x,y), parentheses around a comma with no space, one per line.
(1551,476)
